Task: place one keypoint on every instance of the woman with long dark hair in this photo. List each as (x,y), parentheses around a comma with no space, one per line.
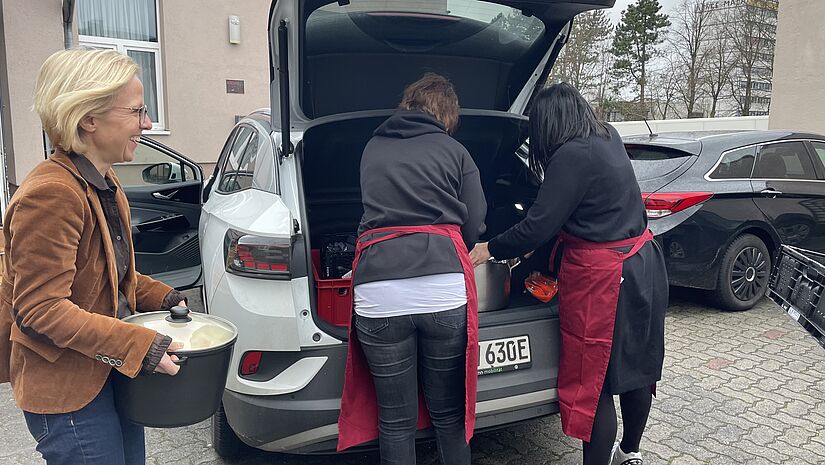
(613,287)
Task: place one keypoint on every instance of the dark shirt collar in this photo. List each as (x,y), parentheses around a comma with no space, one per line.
(90,173)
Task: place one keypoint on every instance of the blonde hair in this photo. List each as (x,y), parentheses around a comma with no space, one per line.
(433,94)
(76,83)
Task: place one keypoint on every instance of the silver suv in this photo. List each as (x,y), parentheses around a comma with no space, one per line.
(288,179)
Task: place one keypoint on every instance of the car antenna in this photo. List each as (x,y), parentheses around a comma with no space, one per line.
(652,134)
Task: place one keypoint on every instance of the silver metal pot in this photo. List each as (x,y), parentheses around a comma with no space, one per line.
(493,283)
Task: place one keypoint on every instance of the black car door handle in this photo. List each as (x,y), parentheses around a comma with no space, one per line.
(770,191)
(162,222)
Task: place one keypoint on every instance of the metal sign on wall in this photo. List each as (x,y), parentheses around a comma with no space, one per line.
(234,86)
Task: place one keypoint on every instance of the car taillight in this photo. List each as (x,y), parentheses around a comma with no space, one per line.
(250,362)
(257,256)
(661,205)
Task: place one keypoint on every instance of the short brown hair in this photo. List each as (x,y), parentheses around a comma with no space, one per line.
(433,94)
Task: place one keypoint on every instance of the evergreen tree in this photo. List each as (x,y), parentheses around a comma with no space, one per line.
(636,42)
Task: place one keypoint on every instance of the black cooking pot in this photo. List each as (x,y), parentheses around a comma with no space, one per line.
(194,394)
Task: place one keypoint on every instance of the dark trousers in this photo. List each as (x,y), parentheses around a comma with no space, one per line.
(93,435)
(403,352)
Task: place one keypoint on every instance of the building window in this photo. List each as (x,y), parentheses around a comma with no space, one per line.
(764,86)
(131,28)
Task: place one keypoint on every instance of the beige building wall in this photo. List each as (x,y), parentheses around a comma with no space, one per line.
(198,59)
(31,31)
(798,100)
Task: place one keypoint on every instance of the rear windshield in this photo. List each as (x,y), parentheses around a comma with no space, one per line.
(509,23)
(651,162)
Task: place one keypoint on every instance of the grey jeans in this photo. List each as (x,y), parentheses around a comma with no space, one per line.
(404,352)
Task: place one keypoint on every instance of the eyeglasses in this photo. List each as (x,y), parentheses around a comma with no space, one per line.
(141,112)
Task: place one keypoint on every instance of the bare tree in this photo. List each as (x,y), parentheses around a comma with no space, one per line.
(579,63)
(688,39)
(752,34)
(667,89)
(605,82)
(719,65)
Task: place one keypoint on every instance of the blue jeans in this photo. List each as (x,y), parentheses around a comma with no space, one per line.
(93,435)
(403,351)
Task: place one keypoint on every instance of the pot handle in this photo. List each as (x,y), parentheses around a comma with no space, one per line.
(181,361)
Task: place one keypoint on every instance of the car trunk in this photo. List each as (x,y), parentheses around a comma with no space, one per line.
(338,69)
(331,152)
(331,58)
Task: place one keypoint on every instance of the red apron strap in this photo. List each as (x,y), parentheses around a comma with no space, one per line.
(552,261)
(642,240)
(636,242)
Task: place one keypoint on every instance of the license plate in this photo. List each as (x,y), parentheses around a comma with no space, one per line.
(499,355)
(794,313)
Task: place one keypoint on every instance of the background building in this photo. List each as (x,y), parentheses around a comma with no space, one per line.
(196,79)
(746,30)
(798,84)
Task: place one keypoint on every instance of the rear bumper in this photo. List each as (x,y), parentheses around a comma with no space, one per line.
(305,422)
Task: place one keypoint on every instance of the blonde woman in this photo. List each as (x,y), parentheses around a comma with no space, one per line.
(70,268)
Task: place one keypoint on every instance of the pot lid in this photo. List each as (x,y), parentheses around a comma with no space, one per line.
(197,331)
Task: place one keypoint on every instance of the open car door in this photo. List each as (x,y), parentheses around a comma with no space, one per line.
(164,191)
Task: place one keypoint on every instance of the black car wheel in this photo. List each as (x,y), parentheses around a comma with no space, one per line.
(743,274)
(225,442)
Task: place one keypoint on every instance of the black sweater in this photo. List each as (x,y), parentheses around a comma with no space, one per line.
(589,190)
(413,173)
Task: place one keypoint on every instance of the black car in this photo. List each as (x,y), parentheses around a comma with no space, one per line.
(721,203)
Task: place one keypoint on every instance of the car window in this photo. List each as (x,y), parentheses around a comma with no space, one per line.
(239,165)
(819,147)
(784,160)
(735,164)
(650,161)
(151,167)
(266,173)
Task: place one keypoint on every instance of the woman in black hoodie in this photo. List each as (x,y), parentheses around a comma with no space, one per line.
(415,320)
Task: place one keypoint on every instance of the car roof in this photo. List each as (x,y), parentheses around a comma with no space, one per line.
(716,141)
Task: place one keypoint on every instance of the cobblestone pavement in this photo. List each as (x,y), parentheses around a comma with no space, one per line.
(738,389)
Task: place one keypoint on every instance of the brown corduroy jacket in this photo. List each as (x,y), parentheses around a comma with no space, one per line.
(59,334)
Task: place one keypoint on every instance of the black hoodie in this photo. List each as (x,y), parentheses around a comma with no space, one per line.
(413,173)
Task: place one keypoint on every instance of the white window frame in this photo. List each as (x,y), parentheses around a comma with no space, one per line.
(123,46)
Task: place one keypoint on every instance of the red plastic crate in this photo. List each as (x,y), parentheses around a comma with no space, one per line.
(334,299)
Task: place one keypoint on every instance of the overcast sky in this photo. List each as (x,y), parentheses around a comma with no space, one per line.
(616,11)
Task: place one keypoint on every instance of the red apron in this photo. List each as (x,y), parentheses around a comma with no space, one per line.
(589,282)
(358,421)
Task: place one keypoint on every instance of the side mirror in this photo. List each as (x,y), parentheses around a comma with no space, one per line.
(161,173)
